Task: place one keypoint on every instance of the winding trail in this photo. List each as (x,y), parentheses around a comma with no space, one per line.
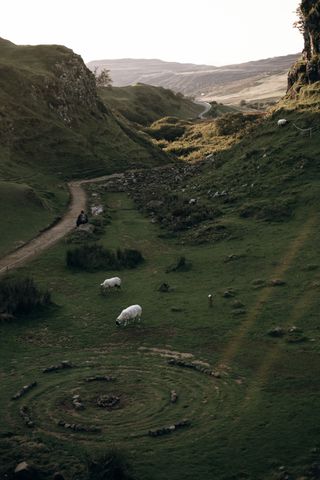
(49,237)
(206,107)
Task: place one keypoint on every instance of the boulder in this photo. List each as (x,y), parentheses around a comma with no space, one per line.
(277,282)
(24,471)
(276,332)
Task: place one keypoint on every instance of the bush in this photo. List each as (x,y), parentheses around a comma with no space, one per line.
(111,466)
(129,258)
(167,128)
(95,257)
(182,265)
(21,296)
(232,123)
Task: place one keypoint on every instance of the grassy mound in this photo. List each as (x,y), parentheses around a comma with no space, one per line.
(144,104)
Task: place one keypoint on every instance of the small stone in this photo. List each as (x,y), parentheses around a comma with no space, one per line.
(228,294)
(24,471)
(173,396)
(164,287)
(239,311)
(231,257)
(277,282)
(276,332)
(294,329)
(258,283)
(237,304)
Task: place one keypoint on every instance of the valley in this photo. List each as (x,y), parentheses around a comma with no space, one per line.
(211,224)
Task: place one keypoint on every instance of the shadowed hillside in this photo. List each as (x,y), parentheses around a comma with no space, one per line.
(53,120)
(144,104)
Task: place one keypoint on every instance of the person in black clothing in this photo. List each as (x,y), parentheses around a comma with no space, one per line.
(82,218)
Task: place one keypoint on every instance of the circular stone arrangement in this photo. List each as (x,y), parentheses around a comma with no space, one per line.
(118,398)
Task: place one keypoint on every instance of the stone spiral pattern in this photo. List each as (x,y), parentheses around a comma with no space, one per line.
(145,402)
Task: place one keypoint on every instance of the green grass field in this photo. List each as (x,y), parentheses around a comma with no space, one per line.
(26,211)
(260,415)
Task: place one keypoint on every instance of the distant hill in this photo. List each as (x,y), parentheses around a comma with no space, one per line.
(144,104)
(212,83)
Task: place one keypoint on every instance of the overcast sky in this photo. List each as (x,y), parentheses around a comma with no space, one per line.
(214,32)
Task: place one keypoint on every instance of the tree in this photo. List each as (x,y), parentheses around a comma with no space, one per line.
(103,78)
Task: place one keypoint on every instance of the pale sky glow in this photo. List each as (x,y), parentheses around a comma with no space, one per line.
(214,32)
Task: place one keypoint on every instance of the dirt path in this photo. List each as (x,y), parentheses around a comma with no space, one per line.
(49,237)
(206,107)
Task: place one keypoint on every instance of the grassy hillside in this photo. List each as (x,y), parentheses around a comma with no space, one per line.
(50,112)
(144,104)
(265,173)
(256,418)
(54,127)
(193,141)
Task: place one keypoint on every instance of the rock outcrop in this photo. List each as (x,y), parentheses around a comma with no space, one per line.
(53,120)
(307,69)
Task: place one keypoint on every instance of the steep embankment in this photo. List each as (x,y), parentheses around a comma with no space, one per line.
(145,104)
(53,120)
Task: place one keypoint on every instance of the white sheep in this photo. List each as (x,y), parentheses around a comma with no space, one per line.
(130,313)
(114,282)
(281,122)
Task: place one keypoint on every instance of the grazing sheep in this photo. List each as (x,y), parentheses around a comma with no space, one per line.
(114,282)
(282,122)
(130,313)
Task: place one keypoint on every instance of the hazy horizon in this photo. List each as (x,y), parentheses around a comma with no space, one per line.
(191,63)
(211,33)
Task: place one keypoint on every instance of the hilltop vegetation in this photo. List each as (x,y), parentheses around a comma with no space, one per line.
(193,141)
(144,104)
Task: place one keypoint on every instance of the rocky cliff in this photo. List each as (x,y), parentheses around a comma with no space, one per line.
(52,119)
(307,69)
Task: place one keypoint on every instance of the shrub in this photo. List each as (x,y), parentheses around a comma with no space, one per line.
(90,257)
(182,265)
(111,466)
(21,296)
(129,258)
(95,257)
(232,123)
(167,128)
